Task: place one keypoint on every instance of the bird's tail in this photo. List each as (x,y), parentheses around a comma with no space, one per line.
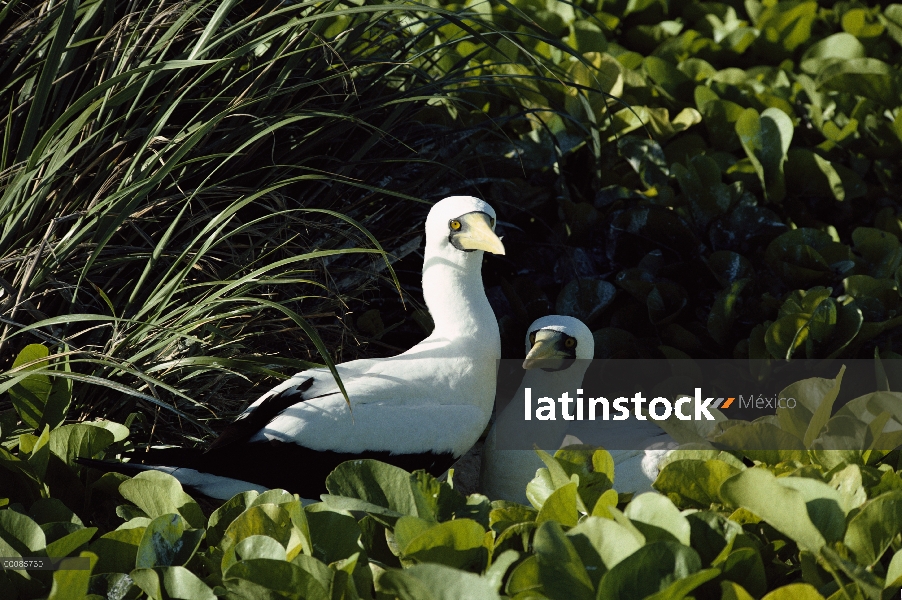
(114,466)
(185,464)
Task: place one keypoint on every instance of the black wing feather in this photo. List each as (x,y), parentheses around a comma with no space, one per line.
(249,423)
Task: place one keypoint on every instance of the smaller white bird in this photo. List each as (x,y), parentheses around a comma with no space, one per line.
(553,343)
(561,347)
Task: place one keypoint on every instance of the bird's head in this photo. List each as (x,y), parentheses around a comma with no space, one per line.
(555,341)
(464,224)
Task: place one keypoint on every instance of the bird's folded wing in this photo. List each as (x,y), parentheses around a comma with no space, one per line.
(326,424)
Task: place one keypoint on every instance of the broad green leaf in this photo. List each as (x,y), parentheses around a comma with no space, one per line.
(259,546)
(119,431)
(681,588)
(734,591)
(712,535)
(157,494)
(611,541)
(868,77)
(894,571)
(72,584)
(848,482)
(561,571)
(524,579)
(595,469)
(179,582)
(809,174)
(745,567)
(861,23)
(702,454)
(223,516)
(788,24)
(435,499)
(167,542)
(659,511)
(766,140)
(149,582)
(808,394)
(266,519)
(52,510)
(758,491)
(795,256)
(70,543)
(650,569)
(117,550)
(267,578)
(560,506)
(794,591)
(29,396)
(871,531)
(606,501)
(458,543)
(722,315)
(378,484)
(79,440)
(334,536)
(646,156)
(586,36)
(500,564)
(407,528)
(39,450)
(434,582)
(59,399)
(320,572)
(883,253)
(504,514)
(24,535)
(836,47)
(540,488)
(694,481)
(764,442)
(823,411)
(172,582)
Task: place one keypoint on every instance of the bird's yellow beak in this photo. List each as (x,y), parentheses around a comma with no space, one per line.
(544,352)
(477,234)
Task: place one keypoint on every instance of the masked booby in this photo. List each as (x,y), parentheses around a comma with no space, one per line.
(418,410)
(553,344)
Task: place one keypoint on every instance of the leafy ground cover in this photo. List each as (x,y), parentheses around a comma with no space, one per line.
(195,196)
(811,522)
(743,203)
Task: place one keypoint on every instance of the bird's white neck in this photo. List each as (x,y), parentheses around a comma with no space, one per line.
(454,294)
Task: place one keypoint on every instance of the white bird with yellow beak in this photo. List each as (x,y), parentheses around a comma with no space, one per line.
(559,350)
(421,409)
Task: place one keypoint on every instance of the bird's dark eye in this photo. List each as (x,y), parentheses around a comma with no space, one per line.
(532,338)
(492,222)
(570,342)
(454,225)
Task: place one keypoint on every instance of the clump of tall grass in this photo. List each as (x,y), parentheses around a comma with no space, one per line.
(182,183)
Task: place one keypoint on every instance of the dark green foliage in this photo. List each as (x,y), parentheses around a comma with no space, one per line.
(186,188)
(797,524)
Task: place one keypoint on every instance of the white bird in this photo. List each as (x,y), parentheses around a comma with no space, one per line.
(421,409)
(553,343)
(637,447)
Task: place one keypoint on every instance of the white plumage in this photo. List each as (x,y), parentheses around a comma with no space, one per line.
(505,473)
(445,385)
(420,409)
